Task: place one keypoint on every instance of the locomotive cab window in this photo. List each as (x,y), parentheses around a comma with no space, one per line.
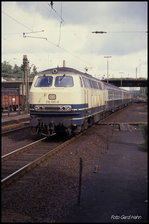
(44,81)
(63,81)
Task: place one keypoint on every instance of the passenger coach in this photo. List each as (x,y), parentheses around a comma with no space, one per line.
(66,100)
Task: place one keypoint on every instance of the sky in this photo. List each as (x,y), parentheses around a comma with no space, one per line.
(50,33)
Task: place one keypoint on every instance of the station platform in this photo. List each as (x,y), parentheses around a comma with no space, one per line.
(117,191)
(7,120)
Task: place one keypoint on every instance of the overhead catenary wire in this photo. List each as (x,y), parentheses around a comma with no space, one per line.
(61,22)
(24,34)
(127,32)
(35,37)
(79,58)
(60,16)
(60,27)
(17,21)
(123,32)
(59,34)
(11,33)
(34,32)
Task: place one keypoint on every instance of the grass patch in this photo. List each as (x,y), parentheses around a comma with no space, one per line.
(144,129)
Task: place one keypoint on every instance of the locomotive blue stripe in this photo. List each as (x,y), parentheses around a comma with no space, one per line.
(71,114)
(80,106)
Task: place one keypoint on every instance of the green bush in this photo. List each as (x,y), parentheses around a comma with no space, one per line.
(145,133)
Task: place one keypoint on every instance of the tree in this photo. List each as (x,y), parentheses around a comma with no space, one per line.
(34,72)
(6,69)
(17,72)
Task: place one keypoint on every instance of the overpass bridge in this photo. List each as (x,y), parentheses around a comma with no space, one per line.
(124,82)
(15,85)
(127,82)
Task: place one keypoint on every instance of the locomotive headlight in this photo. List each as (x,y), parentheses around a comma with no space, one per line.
(65,108)
(36,107)
(39,107)
(68,108)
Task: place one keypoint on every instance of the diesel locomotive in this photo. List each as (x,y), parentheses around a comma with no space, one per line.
(66,100)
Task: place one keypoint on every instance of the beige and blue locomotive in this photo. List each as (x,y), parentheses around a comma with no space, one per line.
(66,100)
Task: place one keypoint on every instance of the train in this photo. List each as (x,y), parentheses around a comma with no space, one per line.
(65,100)
(10,99)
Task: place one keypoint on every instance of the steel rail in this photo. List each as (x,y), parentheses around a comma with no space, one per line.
(7,127)
(20,150)
(112,114)
(13,130)
(7,180)
(127,123)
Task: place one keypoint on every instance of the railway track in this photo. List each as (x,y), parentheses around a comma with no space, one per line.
(15,127)
(20,161)
(112,114)
(21,150)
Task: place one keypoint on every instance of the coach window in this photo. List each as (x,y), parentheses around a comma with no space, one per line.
(44,81)
(64,81)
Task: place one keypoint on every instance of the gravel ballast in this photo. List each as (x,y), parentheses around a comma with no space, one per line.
(47,193)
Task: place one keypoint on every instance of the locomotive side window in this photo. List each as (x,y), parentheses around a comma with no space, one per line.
(44,81)
(91,83)
(81,83)
(95,84)
(86,83)
(99,85)
(63,81)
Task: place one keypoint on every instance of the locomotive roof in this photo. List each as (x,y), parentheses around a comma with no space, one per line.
(64,70)
(68,70)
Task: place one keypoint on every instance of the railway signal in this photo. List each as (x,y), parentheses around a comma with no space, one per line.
(25,84)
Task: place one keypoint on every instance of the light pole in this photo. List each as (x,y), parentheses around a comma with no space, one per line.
(107,67)
(136,71)
(139,67)
(121,77)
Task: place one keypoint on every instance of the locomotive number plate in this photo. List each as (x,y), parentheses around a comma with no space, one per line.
(52,97)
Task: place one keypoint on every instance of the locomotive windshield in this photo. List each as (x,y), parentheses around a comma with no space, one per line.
(44,81)
(62,81)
